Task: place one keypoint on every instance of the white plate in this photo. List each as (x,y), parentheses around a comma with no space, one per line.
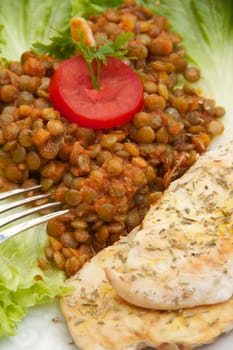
(42,329)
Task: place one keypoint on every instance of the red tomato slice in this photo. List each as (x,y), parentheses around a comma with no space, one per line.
(119,98)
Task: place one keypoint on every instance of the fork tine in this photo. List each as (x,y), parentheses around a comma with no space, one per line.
(21,214)
(23,201)
(14,230)
(15,191)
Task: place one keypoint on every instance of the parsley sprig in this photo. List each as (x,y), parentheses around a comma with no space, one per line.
(61,46)
(64,46)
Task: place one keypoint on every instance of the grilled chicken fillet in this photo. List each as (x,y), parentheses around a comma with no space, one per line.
(183,255)
(98,318)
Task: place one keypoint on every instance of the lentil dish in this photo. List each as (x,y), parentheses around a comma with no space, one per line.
(107,178)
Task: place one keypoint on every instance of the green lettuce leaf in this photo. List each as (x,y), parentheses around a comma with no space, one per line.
(22,283)
(23,22)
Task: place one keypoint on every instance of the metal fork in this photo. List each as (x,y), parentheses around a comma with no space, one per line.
(20,227)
